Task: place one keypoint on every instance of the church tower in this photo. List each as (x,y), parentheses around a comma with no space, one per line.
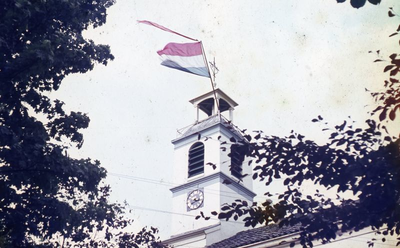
(205,176)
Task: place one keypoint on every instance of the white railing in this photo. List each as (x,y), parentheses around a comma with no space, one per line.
(218,118)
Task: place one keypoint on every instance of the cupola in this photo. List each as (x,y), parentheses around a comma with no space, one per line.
(209,103)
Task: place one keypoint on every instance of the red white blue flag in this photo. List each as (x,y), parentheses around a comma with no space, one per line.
(187,57)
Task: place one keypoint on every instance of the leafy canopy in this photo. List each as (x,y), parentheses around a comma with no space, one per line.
(47,198)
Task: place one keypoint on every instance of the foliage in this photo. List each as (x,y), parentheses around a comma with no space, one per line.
(389,99)
(49,199)
(360,3)
(363,162)
(354,160)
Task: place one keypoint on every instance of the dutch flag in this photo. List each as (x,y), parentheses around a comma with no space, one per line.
(187,57)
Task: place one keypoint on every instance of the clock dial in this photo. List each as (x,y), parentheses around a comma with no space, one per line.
(195,199)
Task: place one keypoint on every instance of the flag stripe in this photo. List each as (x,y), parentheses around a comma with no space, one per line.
(182,49)
(201,71)
(192,64)
(190,61)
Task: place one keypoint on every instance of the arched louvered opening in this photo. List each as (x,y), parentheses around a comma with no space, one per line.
(196,159)
(237,159)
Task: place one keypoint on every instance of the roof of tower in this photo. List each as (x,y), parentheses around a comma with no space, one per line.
(206,101)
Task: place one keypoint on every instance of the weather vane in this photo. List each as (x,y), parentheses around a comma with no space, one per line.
(214,70)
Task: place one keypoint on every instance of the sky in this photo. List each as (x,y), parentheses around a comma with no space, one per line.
(283,62)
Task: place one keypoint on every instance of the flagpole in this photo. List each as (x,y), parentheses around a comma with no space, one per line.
(212,83)
(165,29)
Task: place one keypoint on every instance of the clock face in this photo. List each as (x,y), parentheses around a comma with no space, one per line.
(195,199)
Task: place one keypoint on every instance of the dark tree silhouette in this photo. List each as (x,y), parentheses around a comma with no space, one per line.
(48,199)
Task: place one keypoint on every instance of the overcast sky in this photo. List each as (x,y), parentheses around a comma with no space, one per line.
(284,62)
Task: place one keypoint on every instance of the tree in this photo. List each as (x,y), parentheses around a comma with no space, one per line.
(48,199)
(361,161)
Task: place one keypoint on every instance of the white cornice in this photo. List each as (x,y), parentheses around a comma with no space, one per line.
(207,131)
(199,232)
(233,183)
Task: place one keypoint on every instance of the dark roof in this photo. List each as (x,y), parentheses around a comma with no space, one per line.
(255,235)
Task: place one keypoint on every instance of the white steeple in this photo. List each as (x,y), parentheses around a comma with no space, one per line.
(206,177)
